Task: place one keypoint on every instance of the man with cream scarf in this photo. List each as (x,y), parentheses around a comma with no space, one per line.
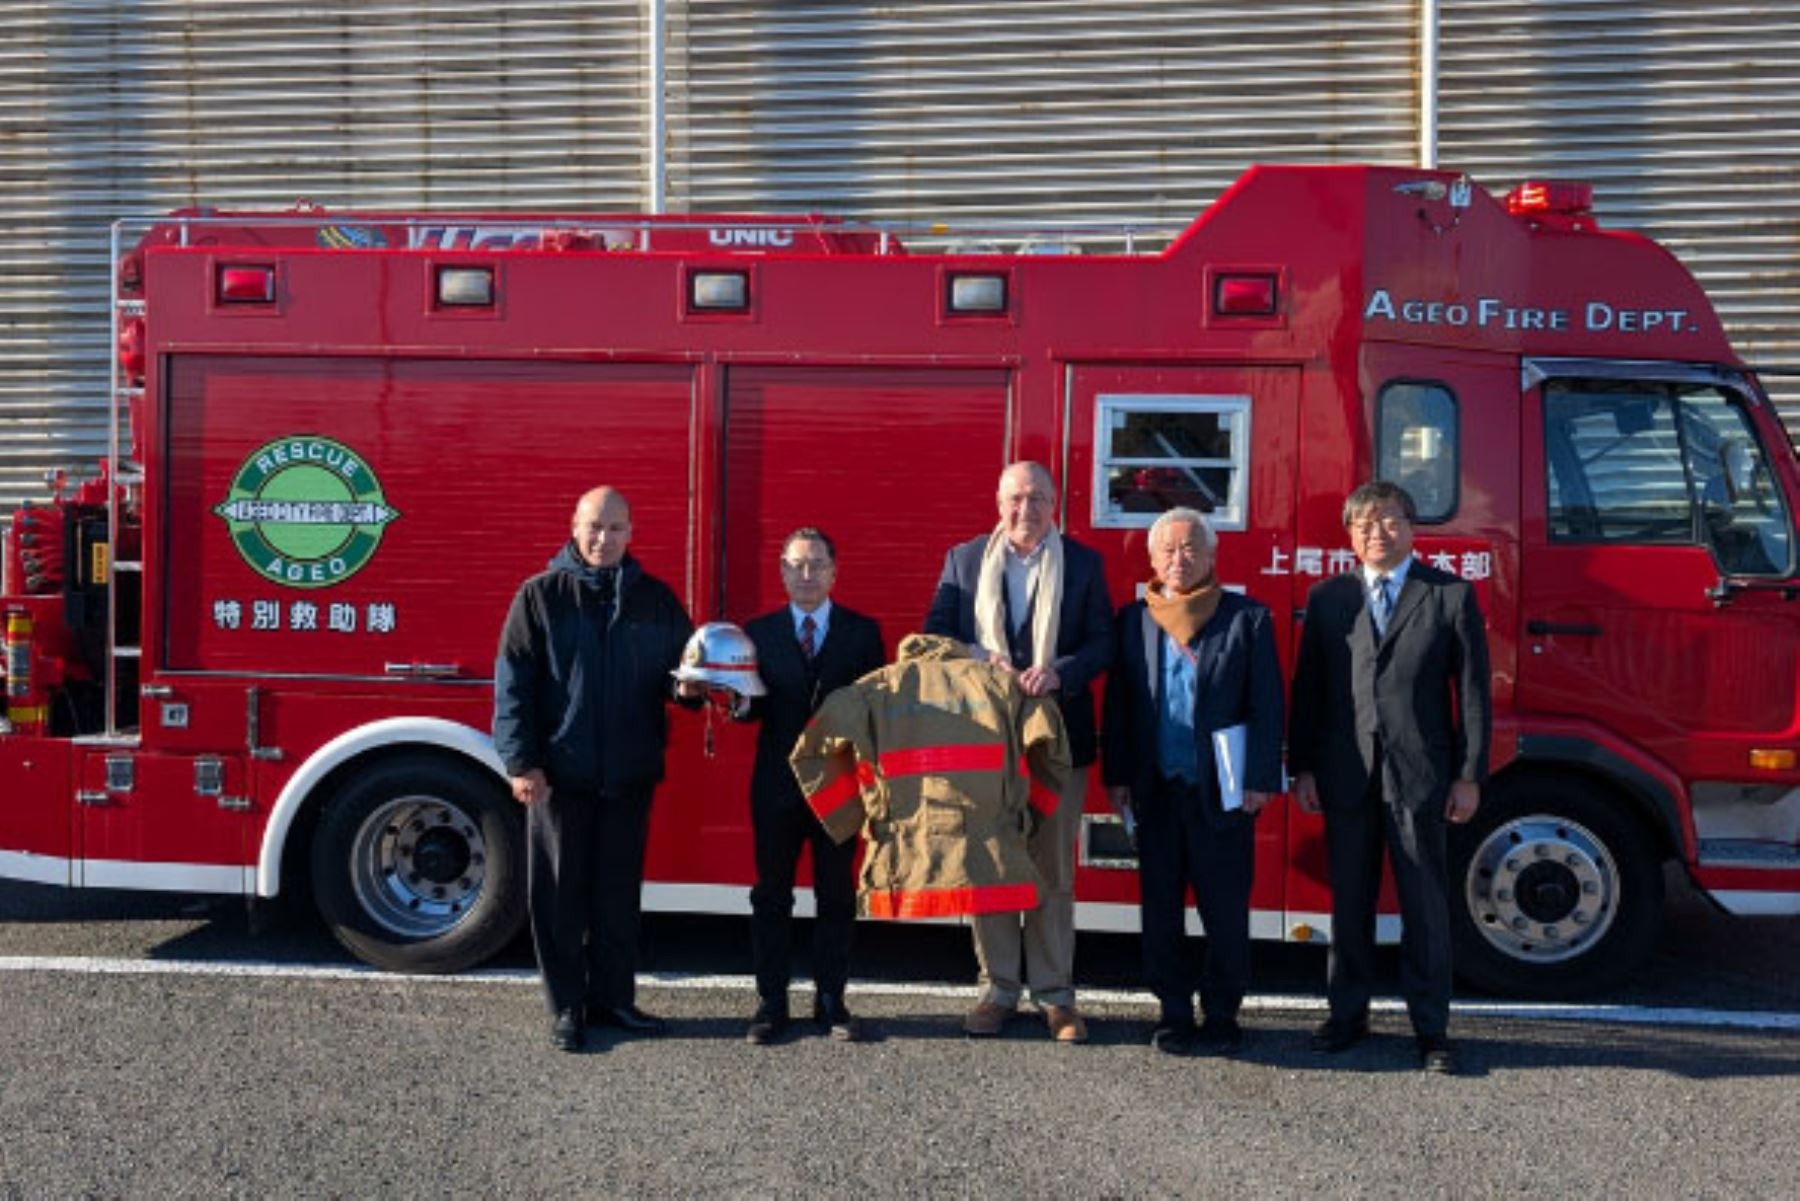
(1193,704)
(1034,602)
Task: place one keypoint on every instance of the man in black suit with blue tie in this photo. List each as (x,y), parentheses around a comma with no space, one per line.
(1194,666)
(804,651)
(1389,735)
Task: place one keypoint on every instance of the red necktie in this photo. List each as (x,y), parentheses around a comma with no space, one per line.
(809,645)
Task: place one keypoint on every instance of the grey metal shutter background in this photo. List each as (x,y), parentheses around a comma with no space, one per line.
(112,108)
(1685,117)
(1140,111)
(1137,111)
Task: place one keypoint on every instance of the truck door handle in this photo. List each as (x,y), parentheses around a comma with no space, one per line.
(1584,629)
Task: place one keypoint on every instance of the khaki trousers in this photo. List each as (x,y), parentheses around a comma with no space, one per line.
(1040,942)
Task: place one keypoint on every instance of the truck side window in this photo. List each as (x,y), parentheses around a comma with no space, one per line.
(1742,513)
(1416,445)
(1154,453)
(1646,462)
(1614,456)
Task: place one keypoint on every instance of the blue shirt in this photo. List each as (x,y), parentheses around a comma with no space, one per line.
(1177,747)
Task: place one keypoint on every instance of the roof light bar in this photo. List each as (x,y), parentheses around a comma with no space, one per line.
(1546,197)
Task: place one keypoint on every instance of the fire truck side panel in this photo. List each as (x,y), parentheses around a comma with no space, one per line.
(816,446)
(171,822)
(36,809)
(1235,427)
(470,467)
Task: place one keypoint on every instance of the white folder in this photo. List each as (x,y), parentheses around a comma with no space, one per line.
(1228,755)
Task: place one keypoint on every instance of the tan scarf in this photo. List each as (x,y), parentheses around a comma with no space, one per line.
(990,599)
(1183,614)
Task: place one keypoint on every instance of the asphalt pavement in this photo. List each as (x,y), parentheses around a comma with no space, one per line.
(157,1045)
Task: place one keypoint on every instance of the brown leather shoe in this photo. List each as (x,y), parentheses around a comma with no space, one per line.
(986,1019)
(1066,1026)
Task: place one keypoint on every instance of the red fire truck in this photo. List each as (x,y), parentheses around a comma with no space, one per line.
(254,653)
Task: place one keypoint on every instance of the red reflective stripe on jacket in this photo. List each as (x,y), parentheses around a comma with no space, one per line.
(1044,800)
(841,791)
(936,760)
(952,902)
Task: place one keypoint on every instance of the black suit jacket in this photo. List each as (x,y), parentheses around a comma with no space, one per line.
(1084,643)
(852,649)
(1419,695)
(1238,681)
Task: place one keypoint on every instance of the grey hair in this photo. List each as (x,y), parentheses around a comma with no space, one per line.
(1182,513)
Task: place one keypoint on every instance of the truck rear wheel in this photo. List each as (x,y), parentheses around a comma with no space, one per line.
(417,866)
(1556,890)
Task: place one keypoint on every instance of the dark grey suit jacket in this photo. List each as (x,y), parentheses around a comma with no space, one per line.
(852,649)
(1419,696)
(1084,644)
(1238,682)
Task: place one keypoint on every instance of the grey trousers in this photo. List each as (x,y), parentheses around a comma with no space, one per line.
(1038,946)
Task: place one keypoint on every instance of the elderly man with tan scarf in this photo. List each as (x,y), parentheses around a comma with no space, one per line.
(1034,601)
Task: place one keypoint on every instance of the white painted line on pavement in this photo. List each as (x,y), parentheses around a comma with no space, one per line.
(1625,1015)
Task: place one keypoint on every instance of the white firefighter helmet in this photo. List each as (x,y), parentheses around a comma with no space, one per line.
(721,655)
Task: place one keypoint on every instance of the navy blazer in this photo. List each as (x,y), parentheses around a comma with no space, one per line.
(1084,645)
(1238,681)
(1418,696)
(851,650)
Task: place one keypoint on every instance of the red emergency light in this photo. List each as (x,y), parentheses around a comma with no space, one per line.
(1245,295)
(1541,197)
(243,283)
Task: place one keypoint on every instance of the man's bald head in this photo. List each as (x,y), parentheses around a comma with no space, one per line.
(601,527)
(1027,504)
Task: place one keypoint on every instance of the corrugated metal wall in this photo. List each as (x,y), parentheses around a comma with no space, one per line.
(1137,111)
(111,108)
(1038,109)
(1685,117)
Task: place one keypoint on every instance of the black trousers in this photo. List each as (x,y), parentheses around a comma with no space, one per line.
(1180,845)
(1415,842)
(584,880)
(781,830)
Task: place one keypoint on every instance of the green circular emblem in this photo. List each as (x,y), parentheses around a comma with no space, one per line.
(305,512)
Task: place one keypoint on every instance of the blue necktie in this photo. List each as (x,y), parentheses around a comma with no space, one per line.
(1381,605)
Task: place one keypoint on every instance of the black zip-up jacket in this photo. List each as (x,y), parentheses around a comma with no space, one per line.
(583,673)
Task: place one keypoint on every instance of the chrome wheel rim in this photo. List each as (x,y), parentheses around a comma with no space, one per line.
(417,866)
(1542,889)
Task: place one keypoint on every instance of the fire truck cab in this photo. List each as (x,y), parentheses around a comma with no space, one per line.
(255,652)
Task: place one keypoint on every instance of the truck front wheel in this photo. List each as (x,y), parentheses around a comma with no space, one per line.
(1555,889)
(417,865)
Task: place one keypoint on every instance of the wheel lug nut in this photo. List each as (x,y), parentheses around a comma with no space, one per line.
(1512,865)
(1505,894)
(1519,923)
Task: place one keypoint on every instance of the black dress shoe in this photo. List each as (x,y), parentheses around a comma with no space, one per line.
(1219,1036)
(631,1019)
(565,1031)
(1437,1056)
(831,1012)
(767,1024)
(1174,1038)
(1333,1036)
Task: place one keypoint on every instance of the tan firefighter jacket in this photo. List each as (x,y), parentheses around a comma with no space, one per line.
(938,758)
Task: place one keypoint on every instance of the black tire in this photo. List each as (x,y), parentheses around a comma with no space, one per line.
(1556,889)
(418,865)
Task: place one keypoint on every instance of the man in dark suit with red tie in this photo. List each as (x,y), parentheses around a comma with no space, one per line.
(1389,735)
(804,651)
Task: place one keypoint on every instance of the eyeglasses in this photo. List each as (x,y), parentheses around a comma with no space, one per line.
(807,566)
(1391,523)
